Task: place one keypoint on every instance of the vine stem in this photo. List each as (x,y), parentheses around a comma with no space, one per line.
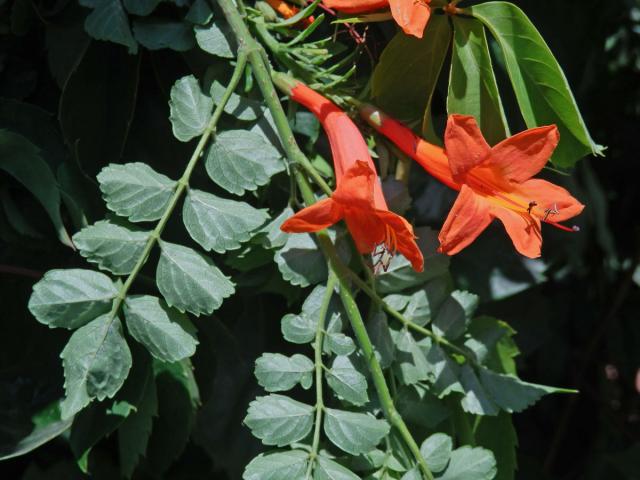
(319,366)
(182,183)
(257,58)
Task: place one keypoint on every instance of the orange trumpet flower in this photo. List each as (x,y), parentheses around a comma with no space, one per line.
(358,198)
(411,15)
(494,182)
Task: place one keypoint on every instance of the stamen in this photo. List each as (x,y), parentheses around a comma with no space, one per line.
(574,228)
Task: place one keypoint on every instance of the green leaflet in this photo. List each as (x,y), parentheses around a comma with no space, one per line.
(241,161)
(279,420)
(112,246)
(190,281)
(157,34)
(219,224)
(108,21)
(135,191)
(216,39)
(276,372)
(71,298)
(355,433)
(472,84)
(470,463)
(190,109)
(347,382)
(277,466)
(300,261)
(327,469)
(96,362)
(541,88)
(168,334)
(436,451)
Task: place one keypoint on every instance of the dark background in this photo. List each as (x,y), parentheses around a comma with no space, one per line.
(578,324)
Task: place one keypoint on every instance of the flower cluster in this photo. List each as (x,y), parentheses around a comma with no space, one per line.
(494,183)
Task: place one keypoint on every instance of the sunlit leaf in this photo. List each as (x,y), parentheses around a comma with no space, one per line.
(355,433)
(347,382)
(216,39)
(277,466)
(276,372)
(436,451)
(190,109)
(279,420)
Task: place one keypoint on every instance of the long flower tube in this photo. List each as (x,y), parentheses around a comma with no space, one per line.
(494,182)
(410,15)
(358,197)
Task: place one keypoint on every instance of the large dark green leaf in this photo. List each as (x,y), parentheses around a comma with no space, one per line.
(472,83)
(405,77)
(541,88)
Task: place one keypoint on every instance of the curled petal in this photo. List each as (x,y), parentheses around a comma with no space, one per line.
(523,229)
(318,216)
(467,219)
(464,145)
(405,238)
(411,15)
(523,155)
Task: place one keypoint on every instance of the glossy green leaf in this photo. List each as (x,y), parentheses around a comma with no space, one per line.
(241,161)
(276,372)
(108,21)
(216,39)
(541,88)
(277,466)
(327,469)
(96,362)
(71,298)
(135,191)
(347,382)
(190,281)
(219,224)
(279,420)
(355,433)
(22,160)
(472,84)
(470,463)
(190,109)
(300,261)
(436,450)
(168,334)
(406,75)
(158,34)
(112,246)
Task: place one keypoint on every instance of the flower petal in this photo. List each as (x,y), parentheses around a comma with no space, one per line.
(355,6)
(523,229)
(405,238)
(549,196)
(318,216)
(356,189)
(464,145)
(467,219)
(411,15)
(523,155)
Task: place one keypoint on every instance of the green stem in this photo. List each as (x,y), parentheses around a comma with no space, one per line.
(319,366)
(256,57)
(181,186)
